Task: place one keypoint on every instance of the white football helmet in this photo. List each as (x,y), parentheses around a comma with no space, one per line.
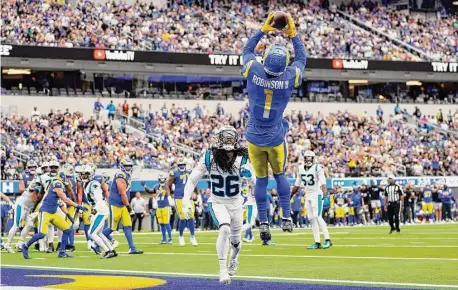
(227,138)
(309,158)
(162,179)
(53,167)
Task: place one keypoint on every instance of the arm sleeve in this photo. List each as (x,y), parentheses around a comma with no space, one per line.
(250,46)
(193,179)
(300,57)
(298,180)
(321,177)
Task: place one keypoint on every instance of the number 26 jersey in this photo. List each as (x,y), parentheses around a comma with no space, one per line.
(310,179)
(225,186)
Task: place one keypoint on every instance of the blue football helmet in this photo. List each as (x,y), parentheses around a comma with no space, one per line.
(181,164)
(275,59)
(126,165)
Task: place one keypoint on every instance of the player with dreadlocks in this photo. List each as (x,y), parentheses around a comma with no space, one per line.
(226,164)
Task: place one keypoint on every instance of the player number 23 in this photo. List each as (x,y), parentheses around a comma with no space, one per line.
(308,179)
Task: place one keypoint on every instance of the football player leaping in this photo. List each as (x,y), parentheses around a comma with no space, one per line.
(270,85)
(224,163)
(311,177)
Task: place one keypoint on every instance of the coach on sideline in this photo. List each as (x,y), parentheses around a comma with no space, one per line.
(393,198)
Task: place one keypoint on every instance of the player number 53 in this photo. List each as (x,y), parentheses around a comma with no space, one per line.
(308,179)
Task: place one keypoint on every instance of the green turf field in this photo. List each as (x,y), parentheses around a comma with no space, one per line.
(421,255)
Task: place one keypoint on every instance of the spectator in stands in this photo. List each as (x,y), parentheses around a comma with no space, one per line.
(125,108)
(98,106)
(111,110)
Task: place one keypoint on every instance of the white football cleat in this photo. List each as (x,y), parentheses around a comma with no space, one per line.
(194,241)
(224,277)
(115,244)
(232,269)
(181,241)
(89,245)
(8,248)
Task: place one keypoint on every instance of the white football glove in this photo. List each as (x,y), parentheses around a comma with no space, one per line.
(186,208)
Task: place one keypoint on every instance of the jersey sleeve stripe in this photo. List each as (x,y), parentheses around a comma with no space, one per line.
(298,77)
(242,163)
(247,69)
(207,161)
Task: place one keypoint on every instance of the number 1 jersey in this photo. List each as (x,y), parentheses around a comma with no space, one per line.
(310,180)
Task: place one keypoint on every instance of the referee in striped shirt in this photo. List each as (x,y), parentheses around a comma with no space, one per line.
(393,198)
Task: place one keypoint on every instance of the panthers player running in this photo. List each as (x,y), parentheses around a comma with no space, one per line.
(23,206)
(178,178)
(311,178)
(97,192)
(270,85)
(163,208)
(48,211)
(119,205)
(225,164)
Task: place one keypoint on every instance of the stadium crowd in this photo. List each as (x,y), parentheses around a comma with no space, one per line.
(347,144)
(220,27)
(437,37)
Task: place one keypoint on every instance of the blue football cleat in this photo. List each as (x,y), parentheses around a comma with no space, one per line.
(314,246)
(163,242)
(135,251)
(327,244)
(64,255)
(96,249)
(25,252)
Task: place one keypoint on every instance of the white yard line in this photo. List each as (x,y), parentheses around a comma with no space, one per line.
(299,256)
(238,276)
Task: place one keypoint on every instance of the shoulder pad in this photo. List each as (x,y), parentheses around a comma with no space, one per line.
(172,173)
(57,183)
(120,174)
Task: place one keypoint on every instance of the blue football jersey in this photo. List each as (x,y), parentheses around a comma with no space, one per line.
(162,198)
(115,196)
(269,95)
(180,181)
(27,178)
(50,200)
(427,195)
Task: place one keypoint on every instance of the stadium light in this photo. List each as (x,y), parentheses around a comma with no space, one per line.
(455,3)
(413,83)
(358,82)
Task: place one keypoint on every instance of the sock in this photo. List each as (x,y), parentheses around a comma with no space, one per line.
(283,194)
(260,194)
(191,226)
(71,237)
(12,233)
(169,231)
(236,243)
(129,238)
(222,246)
(351,219)
(164,238)
(323,227)
(107,232)
(59,235)
(181,226)
(24,233)
(63,244)
(50,234)
(86,232)
(35,238)
(105,241)
(316,230)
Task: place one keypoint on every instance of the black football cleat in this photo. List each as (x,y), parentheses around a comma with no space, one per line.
(287,225)
(264,232)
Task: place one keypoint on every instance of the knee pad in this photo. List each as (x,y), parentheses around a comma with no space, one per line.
(225,230)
